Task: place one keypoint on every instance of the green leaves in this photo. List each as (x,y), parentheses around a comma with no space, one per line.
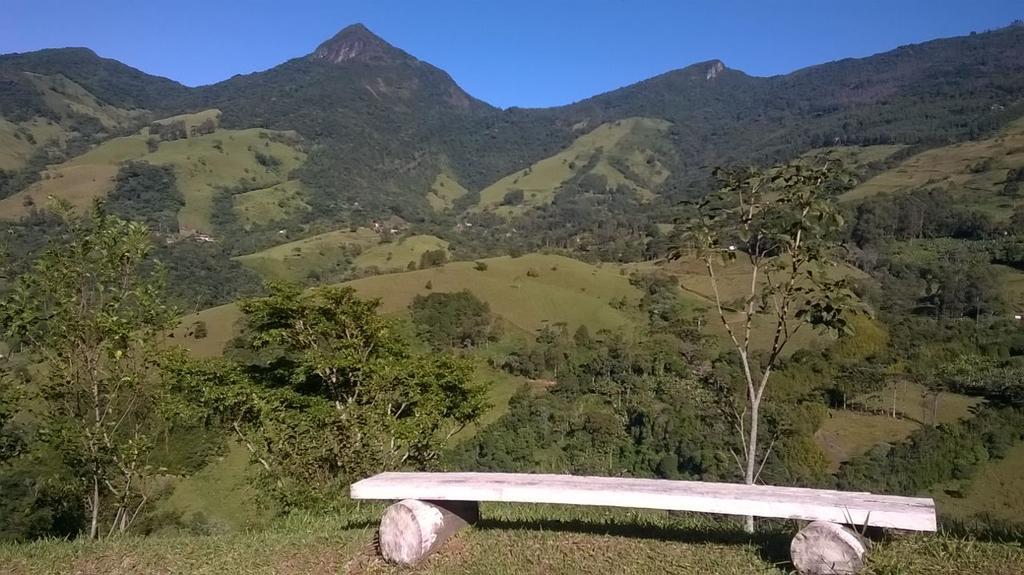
(323,392)
(89,315)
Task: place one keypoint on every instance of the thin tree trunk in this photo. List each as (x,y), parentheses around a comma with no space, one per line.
(755,405)
(94,527)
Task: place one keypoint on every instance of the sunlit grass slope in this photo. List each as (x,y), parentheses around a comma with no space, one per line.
(975,171)
(603,151)
(202,164)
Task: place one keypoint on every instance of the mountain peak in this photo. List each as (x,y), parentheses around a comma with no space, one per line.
(357,43)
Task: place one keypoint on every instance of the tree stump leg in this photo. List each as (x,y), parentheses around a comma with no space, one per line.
(824,548)
(412,529)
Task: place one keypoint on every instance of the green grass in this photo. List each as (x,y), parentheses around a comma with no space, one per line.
(846,434)
(201,164)
(733,286)
(954,168)
(268,205)
(221,328)
(223,158)
(396,256)
(856,158)
(66,97)
(913,402)
(320,254)
(295,261)
(996,489)
(15,147)
(628,140)
(509,539)
(444,191)
(1012,283)
(191,120)
(220,494)
(564,290)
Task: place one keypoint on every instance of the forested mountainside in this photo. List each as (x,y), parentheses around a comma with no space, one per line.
(381,125)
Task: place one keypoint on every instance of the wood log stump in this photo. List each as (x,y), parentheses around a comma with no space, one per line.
(412,529)
(823,548)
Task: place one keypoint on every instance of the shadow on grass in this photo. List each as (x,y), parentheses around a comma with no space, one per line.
(772,545)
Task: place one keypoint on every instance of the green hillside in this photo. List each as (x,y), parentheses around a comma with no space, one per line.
(444,191)
(320,254)
(268,205)
(974,172)
(397,256)
(203,164)
(562,290)
(616,155)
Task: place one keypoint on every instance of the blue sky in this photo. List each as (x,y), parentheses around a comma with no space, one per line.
(509,53)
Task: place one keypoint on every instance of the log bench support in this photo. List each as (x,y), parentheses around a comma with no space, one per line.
(412,529)
(823,548)
(434,506)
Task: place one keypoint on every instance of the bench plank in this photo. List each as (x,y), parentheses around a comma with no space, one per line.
(910,513)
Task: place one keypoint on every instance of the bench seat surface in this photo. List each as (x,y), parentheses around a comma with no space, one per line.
(910,513)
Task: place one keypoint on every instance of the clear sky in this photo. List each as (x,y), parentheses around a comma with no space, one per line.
(508,53)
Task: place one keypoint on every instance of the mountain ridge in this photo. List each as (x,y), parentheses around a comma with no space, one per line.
(381,126)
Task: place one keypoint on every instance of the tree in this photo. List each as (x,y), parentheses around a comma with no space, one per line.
(433,258)
(148,194)
(91,318)
(513,197)
(446,320)
(780,226)
(323,391)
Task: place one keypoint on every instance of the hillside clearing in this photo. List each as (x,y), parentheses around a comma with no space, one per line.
(268,205)
(203,164)
(563,290)
(847,433)
(397,256)
(973,171)
(444,191)
(625,143)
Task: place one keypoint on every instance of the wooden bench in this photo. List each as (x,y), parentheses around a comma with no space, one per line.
(434,506)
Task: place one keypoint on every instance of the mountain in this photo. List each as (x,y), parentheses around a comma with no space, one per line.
(373,131)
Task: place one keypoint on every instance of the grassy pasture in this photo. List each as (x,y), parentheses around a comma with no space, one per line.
(509,539)
(191,120)
(218,495)
(444,191)
(847,433)
(974,171)
(398,255)
(564,290)
(734,285)
(996,489)
(202,163)
(223,158)
(66,97)
(268,205)
(295,261)
(625,140)
(15,145)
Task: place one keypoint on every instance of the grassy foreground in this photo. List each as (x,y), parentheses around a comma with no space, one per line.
(509,539)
